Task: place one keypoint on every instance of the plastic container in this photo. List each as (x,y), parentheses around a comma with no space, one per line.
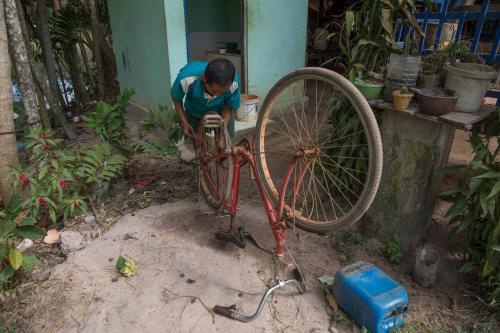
(403,69)
(401,101)
(470,82)
(371,90)
(426,266)
(370,297)
(248,108)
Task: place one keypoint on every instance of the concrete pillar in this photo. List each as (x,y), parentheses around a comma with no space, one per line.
(413,149)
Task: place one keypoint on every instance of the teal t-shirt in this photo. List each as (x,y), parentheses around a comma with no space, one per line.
(188,86)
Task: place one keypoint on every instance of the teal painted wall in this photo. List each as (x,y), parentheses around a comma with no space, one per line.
(176,37)
(140,41)
(213,15)
(275,41)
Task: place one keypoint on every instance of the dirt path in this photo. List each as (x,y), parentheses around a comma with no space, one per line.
(176,253)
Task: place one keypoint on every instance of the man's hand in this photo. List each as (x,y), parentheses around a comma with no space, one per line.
(188,130)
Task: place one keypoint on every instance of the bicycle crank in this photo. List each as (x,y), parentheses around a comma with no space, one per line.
(233,313)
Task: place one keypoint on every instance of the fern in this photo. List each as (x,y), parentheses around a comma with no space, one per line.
(165,121)
(99,164)
(108,121)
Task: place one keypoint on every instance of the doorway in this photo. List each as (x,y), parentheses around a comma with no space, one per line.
(214,30)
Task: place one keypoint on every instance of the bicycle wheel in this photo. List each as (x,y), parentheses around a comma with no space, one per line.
(317,110)
(215,169)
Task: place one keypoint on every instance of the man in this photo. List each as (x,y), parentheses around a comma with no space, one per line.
(203,87)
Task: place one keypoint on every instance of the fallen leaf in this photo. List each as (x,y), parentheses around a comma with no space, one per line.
(52,237)
(326,279)
(131,191)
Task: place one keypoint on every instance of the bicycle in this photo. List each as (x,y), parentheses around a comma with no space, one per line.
(333,152)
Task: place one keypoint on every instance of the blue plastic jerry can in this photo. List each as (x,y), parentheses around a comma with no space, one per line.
(370,297)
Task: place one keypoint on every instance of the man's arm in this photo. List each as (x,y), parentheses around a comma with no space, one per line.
(188,129)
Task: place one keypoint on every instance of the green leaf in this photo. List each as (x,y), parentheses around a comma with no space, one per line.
(29,262)
(3,252)
(467,267)
(32,232)
(120,263)
(494,191)
(43,172)
(450,168)
(7,227)
(450,191)
(15,258)
(457,208)
(6,274)
(53,216)
(489,175)
(474,185)
(28,221)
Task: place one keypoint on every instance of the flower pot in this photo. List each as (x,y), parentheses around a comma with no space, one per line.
(401,101)
(371,90)
(436,101)
(429,80)
(470,82)
(391,86)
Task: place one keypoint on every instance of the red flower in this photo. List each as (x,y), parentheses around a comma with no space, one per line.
(43,136)
(25,180)
(75,204)
(41,201)
(62,182)
(45,148)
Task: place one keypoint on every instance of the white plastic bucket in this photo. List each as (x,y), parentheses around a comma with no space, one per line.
(248,108)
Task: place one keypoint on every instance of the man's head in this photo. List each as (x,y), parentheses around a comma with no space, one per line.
(218,76)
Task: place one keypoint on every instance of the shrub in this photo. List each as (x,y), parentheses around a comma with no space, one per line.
(476,211)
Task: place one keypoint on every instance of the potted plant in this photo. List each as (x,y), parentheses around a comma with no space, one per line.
(432,73)
(401,98)
(467,76)
(402,70)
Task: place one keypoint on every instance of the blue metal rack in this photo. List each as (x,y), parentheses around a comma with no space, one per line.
(443,15)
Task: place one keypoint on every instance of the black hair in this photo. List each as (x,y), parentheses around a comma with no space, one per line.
(220,71)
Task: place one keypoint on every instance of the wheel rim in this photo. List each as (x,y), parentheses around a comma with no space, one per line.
(214,172)
(300,115)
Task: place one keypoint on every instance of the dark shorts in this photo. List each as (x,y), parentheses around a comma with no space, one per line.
(195,122)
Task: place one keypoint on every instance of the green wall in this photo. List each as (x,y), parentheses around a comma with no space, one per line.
(275,41)
(140,42)
(213,15)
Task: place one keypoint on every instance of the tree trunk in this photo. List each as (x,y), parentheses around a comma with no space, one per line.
(96,48)
(8,148)
(75,71)
(56,5)
(44,115)
(86,62)
(20,58)
(51,68)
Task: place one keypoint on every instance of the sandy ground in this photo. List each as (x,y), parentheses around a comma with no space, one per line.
(177,255)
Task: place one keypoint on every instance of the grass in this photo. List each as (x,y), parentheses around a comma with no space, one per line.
(345,243)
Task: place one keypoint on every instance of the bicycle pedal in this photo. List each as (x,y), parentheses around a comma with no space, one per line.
(237,238)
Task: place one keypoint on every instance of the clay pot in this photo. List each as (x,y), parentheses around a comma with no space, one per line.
(401,100)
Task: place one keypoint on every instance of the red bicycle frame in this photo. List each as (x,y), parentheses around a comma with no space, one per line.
(240,156)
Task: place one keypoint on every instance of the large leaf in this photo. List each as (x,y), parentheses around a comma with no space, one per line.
(7,227)
(29,262)
(31,232)
(494,191)
(15,258)
(489,175)
(6,273)
(457,208)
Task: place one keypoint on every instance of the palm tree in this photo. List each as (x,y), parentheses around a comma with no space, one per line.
(51,68)
(8,149)
(20,58)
